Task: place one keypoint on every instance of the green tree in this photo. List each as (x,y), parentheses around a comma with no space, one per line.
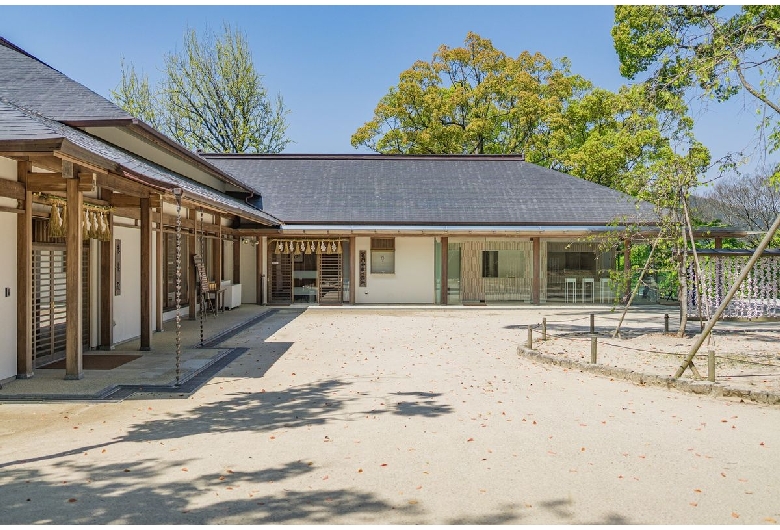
(210,97)
(717,50)
(477,100)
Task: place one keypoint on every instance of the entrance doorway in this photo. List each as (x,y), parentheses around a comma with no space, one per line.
(306,271)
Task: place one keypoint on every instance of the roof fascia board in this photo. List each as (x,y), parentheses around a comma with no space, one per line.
(160,140)
(31,146)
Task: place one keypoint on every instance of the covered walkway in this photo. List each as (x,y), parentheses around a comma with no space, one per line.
(154,371)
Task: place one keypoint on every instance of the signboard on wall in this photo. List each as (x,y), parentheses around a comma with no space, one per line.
(362,268)
(118,267)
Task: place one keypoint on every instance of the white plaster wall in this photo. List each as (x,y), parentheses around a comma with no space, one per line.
(8,271)
(413,281)
(248,274)
(127,306)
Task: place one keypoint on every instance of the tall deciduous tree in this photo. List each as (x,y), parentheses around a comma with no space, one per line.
(477,100)
(209,98)
(718,50)
(751,202)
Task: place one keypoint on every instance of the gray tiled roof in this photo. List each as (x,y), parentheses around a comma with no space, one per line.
(32,84)
(444,190)
(32,127)
(16,125)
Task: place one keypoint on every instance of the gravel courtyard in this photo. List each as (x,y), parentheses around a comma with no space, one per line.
(353,416)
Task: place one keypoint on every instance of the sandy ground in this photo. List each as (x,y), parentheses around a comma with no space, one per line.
(747,354)
(360,416)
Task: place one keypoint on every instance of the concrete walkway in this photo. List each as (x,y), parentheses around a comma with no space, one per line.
(153,368)
(406,416)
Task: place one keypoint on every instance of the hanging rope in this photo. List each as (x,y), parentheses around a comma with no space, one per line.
(202,295)
(177,194)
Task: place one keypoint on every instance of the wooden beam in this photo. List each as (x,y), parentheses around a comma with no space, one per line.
(123,185)
(237,261)
(120,200)
(107,285)
(13,189)
(444,294)
(42,182)
(73,245)
(159,269)
(192,250)
(146,275)
(24,360)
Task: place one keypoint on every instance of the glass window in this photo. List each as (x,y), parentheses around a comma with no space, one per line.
(382,255)
(490,263)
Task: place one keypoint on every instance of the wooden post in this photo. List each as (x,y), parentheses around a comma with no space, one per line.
(217,255)
(530,341)
(666,323)
(544,328)
(592,323)
(193,241)
(24,360)
(146,275)
(734,288)
(352,275)
(627,265)
(711,365)
(107,283)
(237,260)
(260,270)
(445,273)
(536,283)
(593,349)
(159,270)
(73,294)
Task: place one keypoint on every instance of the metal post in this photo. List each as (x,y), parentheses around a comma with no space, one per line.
(593,348)
(544,328)
(592,323)
(529,343)
(666,323)
(711,365)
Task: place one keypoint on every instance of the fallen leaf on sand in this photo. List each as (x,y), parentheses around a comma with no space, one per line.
(71,500)
(184,469)
(735,515)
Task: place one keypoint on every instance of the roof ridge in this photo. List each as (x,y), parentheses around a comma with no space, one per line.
(11,46)
(365,156)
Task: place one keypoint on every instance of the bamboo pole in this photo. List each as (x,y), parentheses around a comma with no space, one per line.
(734,288)
(636,288)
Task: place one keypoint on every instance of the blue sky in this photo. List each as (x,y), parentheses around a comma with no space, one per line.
(332,64)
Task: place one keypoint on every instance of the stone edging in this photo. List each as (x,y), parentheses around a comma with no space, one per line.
(695,387)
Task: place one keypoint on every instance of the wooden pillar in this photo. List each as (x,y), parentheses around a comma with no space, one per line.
(146,275)
(352,275)
(444,270)
(237,260)
(217,255)
(159,269)
(24,360)
(193,250)
(73,294)
(718,243)
(260,269)
(536,281)
(627,265)
(107,283)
